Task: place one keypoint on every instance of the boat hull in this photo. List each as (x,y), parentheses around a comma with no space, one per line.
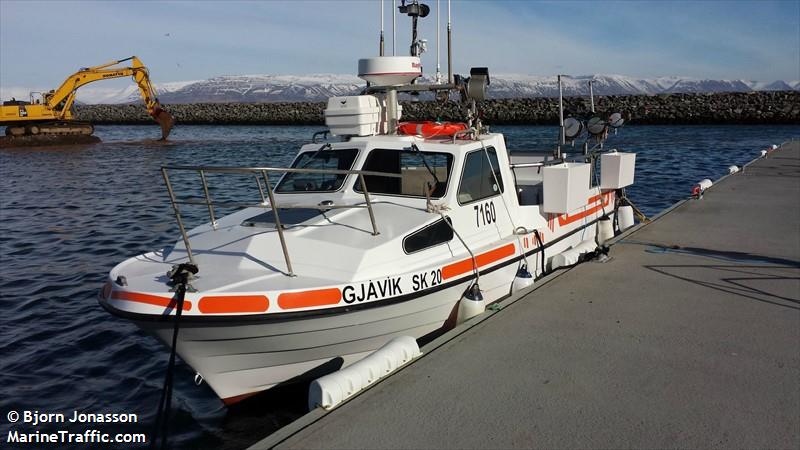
(240,357)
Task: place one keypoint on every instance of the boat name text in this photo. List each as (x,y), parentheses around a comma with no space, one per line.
(426,279)
(374,290)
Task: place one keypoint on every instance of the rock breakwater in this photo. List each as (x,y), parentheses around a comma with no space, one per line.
(781,107)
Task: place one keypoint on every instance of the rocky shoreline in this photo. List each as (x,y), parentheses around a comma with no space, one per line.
(781,107)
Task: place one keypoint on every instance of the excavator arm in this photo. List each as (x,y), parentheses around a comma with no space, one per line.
(60,100)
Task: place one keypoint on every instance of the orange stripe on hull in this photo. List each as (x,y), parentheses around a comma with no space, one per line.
(595,198)
(566,219)
(307,299)
(464,266)
(233,304)
(149,299)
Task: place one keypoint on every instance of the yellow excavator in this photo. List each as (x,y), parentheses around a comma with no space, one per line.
(50,113)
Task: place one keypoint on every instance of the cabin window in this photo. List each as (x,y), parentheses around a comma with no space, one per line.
(339,159)
(419,172)
(477,181)
(434,234)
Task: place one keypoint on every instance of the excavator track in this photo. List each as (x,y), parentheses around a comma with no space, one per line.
(57,128)
(48,134)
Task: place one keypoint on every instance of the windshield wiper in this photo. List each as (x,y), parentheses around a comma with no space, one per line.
(425,161)
(324,146)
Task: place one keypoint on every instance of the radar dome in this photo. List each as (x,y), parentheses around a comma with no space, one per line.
(389,70)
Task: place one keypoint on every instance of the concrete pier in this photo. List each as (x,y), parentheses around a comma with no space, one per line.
(688,337)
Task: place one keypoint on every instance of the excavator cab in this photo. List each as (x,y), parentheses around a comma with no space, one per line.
(37,98)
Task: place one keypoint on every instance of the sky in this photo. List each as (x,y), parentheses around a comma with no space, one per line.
(41,42)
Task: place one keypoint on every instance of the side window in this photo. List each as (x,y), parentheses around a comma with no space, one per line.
(434,234)
(477,180)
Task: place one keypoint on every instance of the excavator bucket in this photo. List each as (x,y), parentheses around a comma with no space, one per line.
(166,121)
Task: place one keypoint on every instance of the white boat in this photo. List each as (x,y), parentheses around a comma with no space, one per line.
(382,233)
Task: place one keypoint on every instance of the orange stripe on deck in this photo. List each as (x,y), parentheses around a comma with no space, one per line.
(306,299)
(464,266)
(233,304)
(149,299)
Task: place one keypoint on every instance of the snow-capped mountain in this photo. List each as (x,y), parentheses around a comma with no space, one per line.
(94,94)
(102,95)
(507,86)
(319,87)
(778,85)
(265,88)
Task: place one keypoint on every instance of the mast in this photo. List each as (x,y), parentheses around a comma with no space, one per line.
(449,48)
(381,45)
(414,47)
(438,26)
(591,94)
(561,137)
(394,27)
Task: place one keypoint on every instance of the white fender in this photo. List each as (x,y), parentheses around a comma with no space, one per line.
(605,230)
(522,280)
(468,309)
(625,217)
(332,389)
(571,256)
(324,392)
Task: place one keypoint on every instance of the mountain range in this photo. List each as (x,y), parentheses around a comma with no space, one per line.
(319,87)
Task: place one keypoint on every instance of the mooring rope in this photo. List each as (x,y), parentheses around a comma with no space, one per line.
(179,276)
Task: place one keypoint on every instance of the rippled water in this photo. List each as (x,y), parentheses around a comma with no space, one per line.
(67,215)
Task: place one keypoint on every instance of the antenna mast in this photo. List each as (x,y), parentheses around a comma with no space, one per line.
(381,46)
(394,27)
(449,48)
(561,137)
(438,27)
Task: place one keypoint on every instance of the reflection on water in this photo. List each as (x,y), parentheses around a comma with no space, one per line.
(69,215)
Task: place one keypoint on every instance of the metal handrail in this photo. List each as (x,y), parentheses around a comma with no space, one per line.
(224,169)
(524,165)
(268,200)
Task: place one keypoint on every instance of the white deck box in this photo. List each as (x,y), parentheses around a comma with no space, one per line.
(566,187)
(357,115)
(616,170)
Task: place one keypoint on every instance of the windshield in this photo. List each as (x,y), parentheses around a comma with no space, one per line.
(339,159)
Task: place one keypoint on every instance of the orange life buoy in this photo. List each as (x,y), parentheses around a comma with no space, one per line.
(430,129)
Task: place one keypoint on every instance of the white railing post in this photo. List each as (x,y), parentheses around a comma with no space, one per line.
(177,212)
